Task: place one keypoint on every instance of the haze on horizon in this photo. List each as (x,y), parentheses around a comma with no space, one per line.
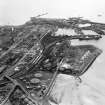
(16,12)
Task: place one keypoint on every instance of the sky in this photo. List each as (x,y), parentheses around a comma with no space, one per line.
(16,12)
